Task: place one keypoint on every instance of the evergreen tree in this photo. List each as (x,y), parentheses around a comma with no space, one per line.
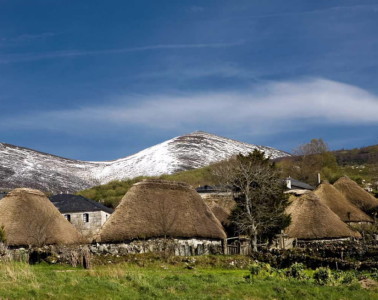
(258,191)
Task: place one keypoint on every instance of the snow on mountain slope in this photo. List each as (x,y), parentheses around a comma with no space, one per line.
(25,167)
(186,152)
(22,167)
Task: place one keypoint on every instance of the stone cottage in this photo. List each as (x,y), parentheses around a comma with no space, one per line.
(86,215)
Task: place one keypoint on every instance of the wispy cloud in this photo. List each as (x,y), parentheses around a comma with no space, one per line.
(196,9)
(12,58)
(31,36)
(193,71)
(317,11)
(24,38)
(271,108)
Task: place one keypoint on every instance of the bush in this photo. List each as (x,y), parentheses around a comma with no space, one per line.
(3,238)
(296,271)
(261,269)
(348,278)
(322,276)
(255,269)
(374,273)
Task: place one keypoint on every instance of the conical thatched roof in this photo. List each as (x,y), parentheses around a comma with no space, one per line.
(157,208)
(221,204)
(311,219)
(220,213)
(355,194)
(29,218)
(336,201)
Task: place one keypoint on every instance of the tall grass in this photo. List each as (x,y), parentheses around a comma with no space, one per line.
(158,280)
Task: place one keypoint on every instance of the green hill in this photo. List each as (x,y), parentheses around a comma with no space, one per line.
(359,164)
(111,193)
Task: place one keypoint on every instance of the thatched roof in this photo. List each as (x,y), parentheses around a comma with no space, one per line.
(355,194)
(336,201)
(29,218)
(221,204)
(158,208)
(311,219)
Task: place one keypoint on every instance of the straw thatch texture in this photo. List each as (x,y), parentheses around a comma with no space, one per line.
(29,218)
(311,219)
(221,204)
(157,208)
(355,194)
(336,201)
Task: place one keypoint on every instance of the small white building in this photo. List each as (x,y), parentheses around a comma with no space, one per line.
(86,215)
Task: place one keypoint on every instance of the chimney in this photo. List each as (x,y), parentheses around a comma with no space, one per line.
(288,183)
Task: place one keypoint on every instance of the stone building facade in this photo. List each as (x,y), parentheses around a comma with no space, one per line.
(86,215)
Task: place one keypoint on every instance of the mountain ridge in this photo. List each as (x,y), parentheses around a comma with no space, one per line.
(21,166)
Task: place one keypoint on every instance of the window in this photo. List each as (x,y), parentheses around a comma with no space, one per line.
(86,218)
(68,217)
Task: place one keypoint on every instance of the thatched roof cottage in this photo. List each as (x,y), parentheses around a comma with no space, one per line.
(29,218)
(156,209)
(312,220)
(336,201)
(356,194)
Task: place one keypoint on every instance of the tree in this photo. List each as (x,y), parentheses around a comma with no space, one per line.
(315,146)
(313,158)
(258,191)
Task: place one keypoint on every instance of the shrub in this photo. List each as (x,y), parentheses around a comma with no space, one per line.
(3,238)
(348,278)
(374,273)
(296,271)
(255,269)
(322,276)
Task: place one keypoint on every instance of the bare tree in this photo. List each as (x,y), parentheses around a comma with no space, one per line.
(258,191)
(38,232)
(164,216)
(315,146)
(313,158)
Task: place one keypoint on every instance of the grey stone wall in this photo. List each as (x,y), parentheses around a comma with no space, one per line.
(181,247)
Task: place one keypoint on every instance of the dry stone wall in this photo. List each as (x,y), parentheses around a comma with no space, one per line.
(180,247)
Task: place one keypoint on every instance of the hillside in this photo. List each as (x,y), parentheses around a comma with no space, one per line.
(358,156)
(110,194)
(360,164)
(23,167)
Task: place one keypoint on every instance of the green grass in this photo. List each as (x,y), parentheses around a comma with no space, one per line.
(160,280)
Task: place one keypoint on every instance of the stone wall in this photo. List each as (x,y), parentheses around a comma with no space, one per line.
(68,254)
(180,247)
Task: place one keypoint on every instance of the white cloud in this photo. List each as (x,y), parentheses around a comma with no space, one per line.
(12,58)
(270,108)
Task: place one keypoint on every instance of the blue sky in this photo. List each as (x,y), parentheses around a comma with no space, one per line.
(99,80)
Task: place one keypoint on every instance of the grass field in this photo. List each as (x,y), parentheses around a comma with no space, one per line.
(159,280)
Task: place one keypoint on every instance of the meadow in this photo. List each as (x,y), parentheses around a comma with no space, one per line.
(178,278)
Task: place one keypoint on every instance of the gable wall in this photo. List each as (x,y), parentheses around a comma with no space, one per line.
(96,220)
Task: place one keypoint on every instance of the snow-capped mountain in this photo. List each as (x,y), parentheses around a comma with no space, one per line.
(29,168)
